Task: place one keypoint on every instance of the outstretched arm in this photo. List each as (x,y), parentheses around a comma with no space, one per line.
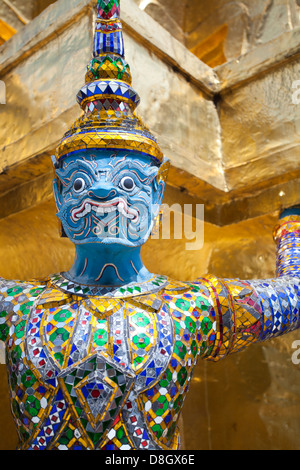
(251,311)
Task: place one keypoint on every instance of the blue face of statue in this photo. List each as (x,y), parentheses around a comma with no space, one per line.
(108,197)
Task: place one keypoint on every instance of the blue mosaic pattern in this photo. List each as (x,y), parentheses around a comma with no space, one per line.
(111,43)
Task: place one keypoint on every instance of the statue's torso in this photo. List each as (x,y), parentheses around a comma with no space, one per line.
(105,371)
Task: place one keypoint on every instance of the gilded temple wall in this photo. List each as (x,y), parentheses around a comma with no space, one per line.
(232,134)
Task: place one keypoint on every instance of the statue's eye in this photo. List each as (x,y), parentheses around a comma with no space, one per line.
(127,183)
(79,185)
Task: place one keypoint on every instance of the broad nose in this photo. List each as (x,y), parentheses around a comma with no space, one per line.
(102,190)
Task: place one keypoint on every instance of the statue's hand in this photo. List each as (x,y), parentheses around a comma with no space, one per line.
(16,300)
(293,210)
(57,194)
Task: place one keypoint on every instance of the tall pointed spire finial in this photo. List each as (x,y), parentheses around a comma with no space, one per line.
(108,50)
(108,9)
(107,98)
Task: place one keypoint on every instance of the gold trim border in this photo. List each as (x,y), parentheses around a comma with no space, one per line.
(99,140)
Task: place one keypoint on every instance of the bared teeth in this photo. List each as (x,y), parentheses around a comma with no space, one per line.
(106,208)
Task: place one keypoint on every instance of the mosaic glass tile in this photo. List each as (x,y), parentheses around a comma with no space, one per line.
(109,368)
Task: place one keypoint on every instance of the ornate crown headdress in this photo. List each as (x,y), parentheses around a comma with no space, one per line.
(107,98)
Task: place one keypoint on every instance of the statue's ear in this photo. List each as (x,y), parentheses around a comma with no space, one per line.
(56,185)
(57,194)
(58,202)
(158,194)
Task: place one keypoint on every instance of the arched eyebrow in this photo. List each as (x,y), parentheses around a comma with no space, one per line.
(68,168)
(143,171)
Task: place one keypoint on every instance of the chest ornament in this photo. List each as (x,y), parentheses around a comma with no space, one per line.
(95,353)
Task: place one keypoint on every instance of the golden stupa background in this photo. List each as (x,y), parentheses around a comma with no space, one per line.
(227,116)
